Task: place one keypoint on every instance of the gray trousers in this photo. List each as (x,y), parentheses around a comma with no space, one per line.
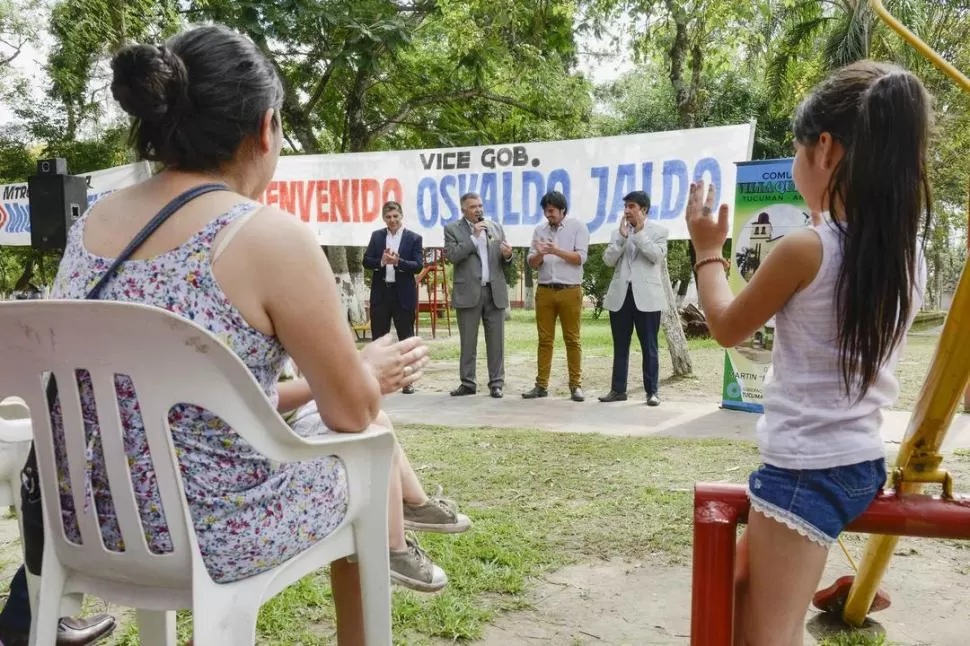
(493,320)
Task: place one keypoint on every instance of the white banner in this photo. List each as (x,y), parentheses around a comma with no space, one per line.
(15,206)
(341,195)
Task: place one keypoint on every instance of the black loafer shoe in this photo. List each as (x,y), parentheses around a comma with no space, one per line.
(535,393)
(613,396)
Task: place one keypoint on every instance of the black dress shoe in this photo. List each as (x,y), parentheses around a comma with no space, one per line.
(496,392)
(613,396)
(408,390)
(81,632)
(576,394)
(535,393)
(70,631)
(462,390)
(653,400)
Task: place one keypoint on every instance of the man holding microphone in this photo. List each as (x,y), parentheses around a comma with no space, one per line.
(478,250)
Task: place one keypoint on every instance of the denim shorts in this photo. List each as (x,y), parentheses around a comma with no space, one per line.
(816,503)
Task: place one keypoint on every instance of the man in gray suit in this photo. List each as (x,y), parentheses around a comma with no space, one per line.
(636,297)
(478,250)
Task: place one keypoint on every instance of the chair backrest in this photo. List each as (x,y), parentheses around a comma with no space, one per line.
(170,361)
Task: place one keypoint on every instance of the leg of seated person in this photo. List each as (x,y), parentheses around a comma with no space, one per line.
(410,489)
(421,513)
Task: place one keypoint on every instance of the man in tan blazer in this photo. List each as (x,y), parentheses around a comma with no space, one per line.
(636,297)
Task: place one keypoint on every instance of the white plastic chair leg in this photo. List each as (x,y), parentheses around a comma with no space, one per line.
(70,603)
(156,627)
(224,619)
(43,627)
(370,530)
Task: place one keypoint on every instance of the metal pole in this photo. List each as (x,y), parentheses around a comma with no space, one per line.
(966,394)
(719,508)
(712,589)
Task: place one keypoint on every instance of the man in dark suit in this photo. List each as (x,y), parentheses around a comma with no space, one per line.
(396,255)
(478,250)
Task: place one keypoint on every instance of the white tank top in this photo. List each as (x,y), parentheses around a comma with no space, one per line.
(809,421)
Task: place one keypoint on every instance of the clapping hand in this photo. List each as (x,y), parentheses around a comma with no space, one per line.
(546,247)
(395,364)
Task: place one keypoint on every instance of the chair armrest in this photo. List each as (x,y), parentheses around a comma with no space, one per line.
(13,431)
(283,444)
(13,408)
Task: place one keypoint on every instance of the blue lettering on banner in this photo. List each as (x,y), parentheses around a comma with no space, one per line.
(613,183)
(533,188)
(496,192)
(712,169)
(428,202)
(509,216)
(18,217)
(559,181)
(673,203)
(438,197)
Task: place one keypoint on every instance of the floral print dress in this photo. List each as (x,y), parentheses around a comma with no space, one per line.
(250,514)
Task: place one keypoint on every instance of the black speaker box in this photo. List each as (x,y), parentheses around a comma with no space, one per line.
(56,202)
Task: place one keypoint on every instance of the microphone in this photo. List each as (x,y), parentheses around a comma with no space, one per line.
(488,230)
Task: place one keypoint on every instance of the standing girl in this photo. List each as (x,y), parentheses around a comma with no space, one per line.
(843,295)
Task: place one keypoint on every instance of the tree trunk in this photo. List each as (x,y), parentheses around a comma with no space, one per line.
(530,290)
(350,284)
(358,139)
(673,330)
(689,42)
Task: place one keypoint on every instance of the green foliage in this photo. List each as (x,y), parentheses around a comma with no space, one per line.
(596,277)
(511,269)
(381,74)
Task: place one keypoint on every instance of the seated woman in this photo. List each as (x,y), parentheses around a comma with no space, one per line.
(206,106)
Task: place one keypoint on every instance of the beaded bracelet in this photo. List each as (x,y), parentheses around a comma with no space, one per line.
(707,261)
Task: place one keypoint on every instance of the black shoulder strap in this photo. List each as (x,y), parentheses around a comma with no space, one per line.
(150,228)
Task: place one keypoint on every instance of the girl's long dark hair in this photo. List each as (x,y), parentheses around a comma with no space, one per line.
(881,115)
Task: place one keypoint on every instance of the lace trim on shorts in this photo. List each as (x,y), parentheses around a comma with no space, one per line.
(790,520)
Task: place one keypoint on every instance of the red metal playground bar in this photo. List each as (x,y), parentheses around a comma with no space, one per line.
(719,508)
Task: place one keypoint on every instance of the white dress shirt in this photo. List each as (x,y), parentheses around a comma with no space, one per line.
(481,243)
(394,244)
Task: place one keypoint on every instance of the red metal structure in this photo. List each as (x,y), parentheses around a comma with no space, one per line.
(434,277)
(719,508)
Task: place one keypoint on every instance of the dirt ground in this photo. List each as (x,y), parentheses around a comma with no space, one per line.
(620,603)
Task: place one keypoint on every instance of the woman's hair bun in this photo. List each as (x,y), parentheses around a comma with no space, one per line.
(148,82)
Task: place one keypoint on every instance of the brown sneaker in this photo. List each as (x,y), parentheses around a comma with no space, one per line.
(413,568)
(437,514)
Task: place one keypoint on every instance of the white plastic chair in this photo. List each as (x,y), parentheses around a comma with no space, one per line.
(172,361)
(15,438)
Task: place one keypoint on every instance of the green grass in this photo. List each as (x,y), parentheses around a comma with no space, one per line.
(707,356)
(521,337)
(539,501)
